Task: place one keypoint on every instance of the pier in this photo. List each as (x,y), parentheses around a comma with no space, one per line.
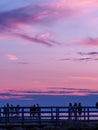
(40,116)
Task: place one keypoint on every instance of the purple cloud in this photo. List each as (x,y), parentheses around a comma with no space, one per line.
(78,59)
(51,91)
(35,39)
(88,53)
(84,56)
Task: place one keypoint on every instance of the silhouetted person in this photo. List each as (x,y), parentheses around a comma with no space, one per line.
(4,111)
(75,110)
(7,110)
(32,111)
(17,110)
(38,111)
(11,110)
(79,110)
(70,109)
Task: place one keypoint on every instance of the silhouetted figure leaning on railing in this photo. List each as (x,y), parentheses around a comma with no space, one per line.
(6,110)
(11,111)
(32,110)
(17,111)
(75,111)
(70,110)
(79,110)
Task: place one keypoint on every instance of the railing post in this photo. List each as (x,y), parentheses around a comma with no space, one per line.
(57,114)
(22,115)
(7,110)
(88,113)
(84,114)
(52,113)
(0,115)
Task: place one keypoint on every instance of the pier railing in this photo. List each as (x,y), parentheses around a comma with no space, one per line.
(45,114)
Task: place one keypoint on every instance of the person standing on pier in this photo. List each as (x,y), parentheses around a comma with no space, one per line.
(70,109)
(75,111)
(38,111)
(79,110)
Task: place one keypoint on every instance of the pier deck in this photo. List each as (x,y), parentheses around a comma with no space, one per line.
(43,115)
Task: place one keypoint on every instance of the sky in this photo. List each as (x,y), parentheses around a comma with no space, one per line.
(48,51)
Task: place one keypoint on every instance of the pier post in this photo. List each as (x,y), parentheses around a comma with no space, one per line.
(0,115)
(22,115)
(84,113)
(88,113)
(57,115)
(7,110)
(52,113)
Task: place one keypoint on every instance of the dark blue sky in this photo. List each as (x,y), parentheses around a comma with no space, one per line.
(43,100)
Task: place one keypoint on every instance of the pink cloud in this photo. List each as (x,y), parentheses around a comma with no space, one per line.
(44,35)
(84,78)
(89,41)
(76,3)
(12,57)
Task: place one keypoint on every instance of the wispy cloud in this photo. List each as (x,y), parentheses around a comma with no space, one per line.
(89,78)
(88,53)
(83,56)
(75,91)
(79,59)
(36,39)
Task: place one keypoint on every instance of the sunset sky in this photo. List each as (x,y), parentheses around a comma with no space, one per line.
(48,48)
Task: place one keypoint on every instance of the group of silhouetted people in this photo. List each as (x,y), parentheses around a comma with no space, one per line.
(10,110)
(75,111)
